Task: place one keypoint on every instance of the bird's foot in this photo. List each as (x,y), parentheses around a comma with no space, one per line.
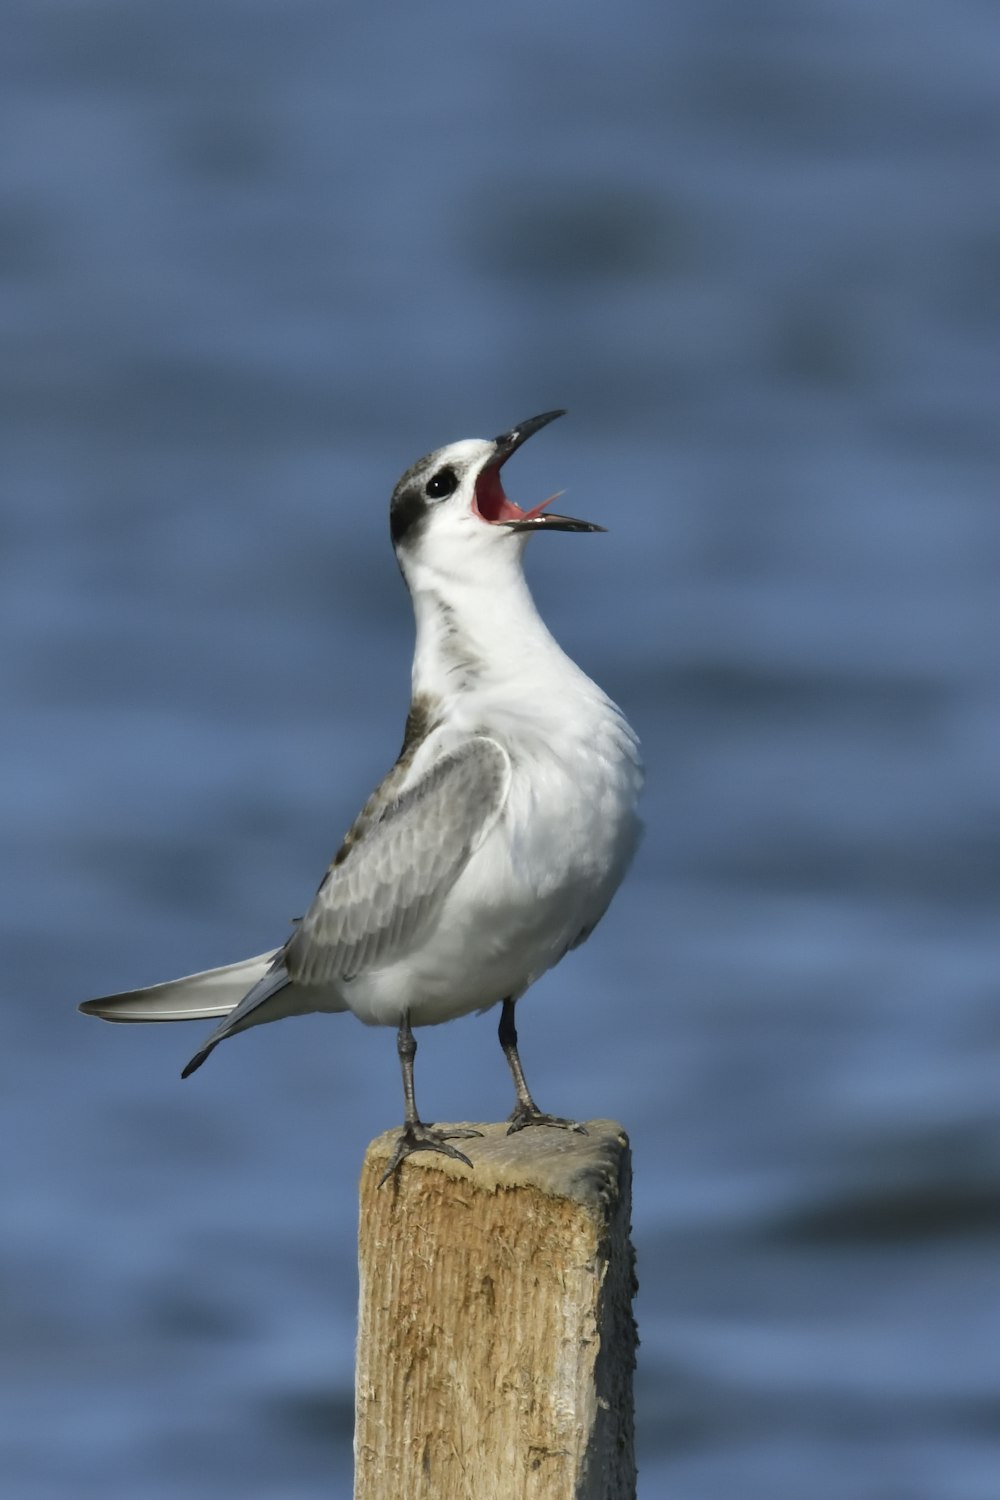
(525,1115)
(420,1137)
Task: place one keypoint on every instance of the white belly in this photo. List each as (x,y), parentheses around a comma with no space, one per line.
(538,884)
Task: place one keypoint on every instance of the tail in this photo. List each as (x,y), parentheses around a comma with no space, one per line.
(196,997)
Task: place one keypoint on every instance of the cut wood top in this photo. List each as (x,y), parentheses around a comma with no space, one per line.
(586,1169)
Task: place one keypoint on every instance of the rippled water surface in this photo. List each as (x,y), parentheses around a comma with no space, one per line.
(254,259)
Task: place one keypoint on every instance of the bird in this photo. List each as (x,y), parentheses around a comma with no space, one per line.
(494,844)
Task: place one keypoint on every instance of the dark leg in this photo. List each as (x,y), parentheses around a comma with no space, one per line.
(415,1135)
(526,1111)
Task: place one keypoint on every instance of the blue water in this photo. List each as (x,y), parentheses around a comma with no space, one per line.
(254,260)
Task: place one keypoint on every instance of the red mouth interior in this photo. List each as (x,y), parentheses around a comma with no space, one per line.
(491,504)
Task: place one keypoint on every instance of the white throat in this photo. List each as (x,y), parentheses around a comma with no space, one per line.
(481,631)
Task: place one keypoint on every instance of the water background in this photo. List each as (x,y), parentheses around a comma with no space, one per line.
(256,258)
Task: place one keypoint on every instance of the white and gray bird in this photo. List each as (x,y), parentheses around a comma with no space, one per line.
(497,840)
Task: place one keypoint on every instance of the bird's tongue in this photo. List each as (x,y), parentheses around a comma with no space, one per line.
(492,504)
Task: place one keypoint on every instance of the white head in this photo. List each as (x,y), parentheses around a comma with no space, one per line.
(449,515)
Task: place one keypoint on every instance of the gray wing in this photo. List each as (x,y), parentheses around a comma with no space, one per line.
(384,890)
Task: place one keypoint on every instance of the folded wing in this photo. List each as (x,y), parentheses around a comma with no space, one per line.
(383,889)
(382,893)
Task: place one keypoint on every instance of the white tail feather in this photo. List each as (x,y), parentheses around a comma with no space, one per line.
(214,992)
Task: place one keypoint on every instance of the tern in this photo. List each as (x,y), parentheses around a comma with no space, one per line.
(494,844)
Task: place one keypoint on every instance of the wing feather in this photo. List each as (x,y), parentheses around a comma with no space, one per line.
(375,904)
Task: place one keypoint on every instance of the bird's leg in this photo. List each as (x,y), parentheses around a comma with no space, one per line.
(526,1111)
(415,1135)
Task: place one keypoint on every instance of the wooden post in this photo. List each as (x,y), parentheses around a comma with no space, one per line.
(495,1338)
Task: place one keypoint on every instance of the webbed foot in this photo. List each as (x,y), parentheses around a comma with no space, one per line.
(524,1116)
(416,1136)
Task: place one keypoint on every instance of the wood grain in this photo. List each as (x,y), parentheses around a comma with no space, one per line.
(495,1340)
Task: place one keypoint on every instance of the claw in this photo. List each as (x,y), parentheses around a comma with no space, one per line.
(523,1117)
(421,1137)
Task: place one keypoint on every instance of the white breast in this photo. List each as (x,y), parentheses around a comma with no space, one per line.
(545,872)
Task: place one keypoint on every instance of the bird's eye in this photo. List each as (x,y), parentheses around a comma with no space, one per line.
(443,483)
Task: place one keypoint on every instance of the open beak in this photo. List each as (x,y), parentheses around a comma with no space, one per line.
(492,505)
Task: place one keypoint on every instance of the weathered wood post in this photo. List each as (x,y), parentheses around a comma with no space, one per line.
(495,1338)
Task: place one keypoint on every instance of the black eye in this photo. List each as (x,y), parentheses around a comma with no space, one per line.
(443,483)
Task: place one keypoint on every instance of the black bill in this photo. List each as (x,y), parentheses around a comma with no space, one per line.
(538,520)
